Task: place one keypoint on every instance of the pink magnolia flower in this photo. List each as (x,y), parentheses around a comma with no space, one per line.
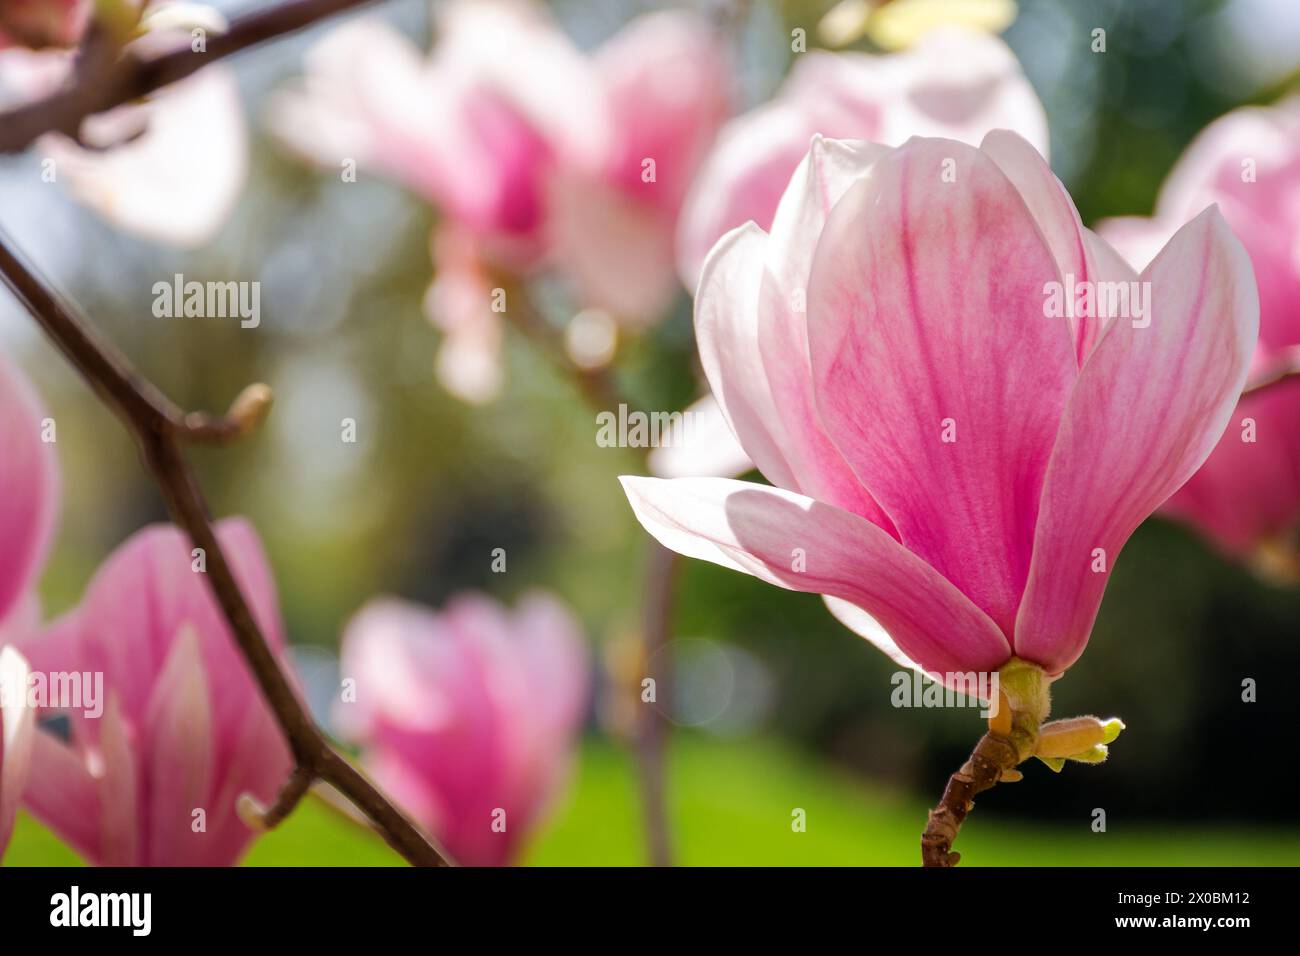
(955,469)
(169,168)
(956,83)
(467,717)
(29,475)
(538,157)
(181,729)
(1246,497)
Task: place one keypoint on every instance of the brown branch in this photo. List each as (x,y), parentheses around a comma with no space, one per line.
(601,392)
(161,430)
(104,80)
(1286,368)
(258,817)
(992,757)
(652,726)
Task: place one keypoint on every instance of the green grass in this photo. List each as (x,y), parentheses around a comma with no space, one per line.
(732,804)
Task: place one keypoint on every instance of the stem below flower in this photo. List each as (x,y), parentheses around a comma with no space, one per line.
(1023,705)
(993,755)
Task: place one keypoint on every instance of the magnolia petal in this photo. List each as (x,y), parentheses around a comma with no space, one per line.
(517,52)
(1148,407)
(179,757)
(29,475)
(616,249)
(116,768)
(825,174)
(1057,219)
(389,649)
(258,763)
(932,356)
(1248,492)
(668,85)
(366,95)
(553,654)
(769,533)
(63,794)
(726,331)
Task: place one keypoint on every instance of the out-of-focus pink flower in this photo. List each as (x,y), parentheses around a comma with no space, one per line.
(169,168)
(956,469)
(613,226)
(42,23)
(153,779)
(541,157)
(955,83)
(176,165)
(29,477)
(16,729)
(1247,494)
(467,717)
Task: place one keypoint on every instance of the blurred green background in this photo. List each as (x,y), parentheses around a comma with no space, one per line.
(778,706)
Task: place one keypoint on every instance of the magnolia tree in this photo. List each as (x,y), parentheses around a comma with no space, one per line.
(963,401)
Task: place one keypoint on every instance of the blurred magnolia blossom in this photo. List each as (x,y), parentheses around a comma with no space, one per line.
(955,471)
(1246,497)
(169,168)
(955,83)
(184,731)
(29,477)
(538,157)
(466,717)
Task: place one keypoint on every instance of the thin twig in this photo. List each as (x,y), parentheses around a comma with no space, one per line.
(993,755)
(601,392)
(102,83)
(161,429)
(653,727)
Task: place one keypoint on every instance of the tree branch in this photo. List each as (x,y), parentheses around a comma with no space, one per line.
(601,392)
(994,755)
(161,429)
(652,732)
(104,80)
